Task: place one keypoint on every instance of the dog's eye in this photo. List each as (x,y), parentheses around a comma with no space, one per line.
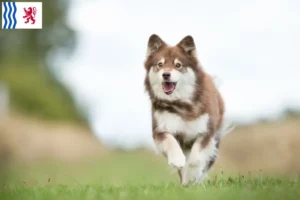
(160,64)
(178,65)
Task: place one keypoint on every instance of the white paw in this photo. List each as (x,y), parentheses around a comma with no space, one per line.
(176,160)
(194,176)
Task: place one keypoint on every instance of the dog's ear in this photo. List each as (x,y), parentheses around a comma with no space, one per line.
(154,44)
(188,45)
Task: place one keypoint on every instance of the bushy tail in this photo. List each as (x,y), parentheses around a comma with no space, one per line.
(225,129)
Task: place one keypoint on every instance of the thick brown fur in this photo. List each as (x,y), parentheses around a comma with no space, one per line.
(205,99)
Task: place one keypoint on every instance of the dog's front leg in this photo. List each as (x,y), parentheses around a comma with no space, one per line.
(170,148)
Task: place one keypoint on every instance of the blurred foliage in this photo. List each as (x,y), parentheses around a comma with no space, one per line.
(288,113)
(291,113)
(26,61)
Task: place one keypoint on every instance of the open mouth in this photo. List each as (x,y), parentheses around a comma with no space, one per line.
(169,87)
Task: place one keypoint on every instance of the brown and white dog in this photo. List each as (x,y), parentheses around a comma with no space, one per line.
(187,108)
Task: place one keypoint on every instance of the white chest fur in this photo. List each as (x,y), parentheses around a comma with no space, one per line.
(172,123)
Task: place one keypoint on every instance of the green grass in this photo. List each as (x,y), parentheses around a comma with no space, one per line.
(136,176)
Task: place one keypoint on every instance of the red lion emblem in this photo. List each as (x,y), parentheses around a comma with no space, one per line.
(30,14)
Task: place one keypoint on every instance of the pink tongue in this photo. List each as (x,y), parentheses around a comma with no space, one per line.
(168,87)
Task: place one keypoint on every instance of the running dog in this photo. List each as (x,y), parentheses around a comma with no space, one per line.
(187,108)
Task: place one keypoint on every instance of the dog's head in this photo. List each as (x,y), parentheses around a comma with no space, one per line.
(172,71)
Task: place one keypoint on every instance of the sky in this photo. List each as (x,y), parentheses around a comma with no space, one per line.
(252,47)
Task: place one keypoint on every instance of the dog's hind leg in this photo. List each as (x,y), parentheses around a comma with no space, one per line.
(200,160)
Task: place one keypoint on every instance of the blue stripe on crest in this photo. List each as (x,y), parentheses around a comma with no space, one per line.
(9,15)
(4,15)
(14,15)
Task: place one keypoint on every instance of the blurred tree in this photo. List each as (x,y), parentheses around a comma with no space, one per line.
(291,112)
(25,66)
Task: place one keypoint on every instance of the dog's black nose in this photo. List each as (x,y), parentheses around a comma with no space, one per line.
(166,75)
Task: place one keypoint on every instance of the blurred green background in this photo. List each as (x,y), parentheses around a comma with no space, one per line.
(27,59)
(34,103)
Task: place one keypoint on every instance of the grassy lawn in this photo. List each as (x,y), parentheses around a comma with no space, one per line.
(135,176)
